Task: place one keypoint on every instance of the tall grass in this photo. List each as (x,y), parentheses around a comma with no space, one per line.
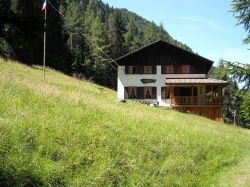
(65,132)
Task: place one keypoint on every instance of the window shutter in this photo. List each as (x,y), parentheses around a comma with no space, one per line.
(154,69)
(126,93)
(179,70)
(140,92)
(163,92)
(153,92)
(192,69)
(134,70)
(126,69)
(163,69)
(140,70)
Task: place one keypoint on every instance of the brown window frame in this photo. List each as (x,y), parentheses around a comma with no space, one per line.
(148,69)
(146,89)
(169,69)
(165,92)
(140,92)
(132,92)
(131,69)
(185,69)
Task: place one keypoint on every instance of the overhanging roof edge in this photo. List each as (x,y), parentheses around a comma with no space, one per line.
(143,47)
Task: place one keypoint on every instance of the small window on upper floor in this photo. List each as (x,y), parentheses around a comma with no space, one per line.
(185,69)
(169,69)
(130,69)
(148,70)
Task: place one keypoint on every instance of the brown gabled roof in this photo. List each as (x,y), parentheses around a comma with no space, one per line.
(210,62)
(195,81)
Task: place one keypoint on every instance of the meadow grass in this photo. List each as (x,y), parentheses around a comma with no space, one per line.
(62,131)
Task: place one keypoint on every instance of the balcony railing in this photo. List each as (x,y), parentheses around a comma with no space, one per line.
(197,100)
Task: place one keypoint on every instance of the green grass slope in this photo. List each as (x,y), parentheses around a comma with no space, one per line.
(67,132)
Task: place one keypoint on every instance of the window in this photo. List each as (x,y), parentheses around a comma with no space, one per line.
(169,69)
(148,70)
(140,93)
(148,92)
(132,93)
(183,91)
(185,68)
(165,92)
(131,69)
(209,90)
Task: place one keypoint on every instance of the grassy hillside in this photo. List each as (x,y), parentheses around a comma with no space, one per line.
(63,131)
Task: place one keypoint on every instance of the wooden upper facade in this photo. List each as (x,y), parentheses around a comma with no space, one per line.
(163,53)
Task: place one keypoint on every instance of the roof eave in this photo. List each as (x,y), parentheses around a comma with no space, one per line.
(143,47)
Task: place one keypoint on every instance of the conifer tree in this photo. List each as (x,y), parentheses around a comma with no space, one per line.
(151,33)
(131,36)
(5,15)
(73,26)
(116,31)
(241,9)
(236,98)
(101,67)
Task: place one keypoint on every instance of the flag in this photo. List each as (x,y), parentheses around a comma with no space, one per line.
(44,5)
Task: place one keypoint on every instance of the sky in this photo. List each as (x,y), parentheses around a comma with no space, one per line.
(208,27)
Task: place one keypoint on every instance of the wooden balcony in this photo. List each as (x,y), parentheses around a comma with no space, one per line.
(196,100)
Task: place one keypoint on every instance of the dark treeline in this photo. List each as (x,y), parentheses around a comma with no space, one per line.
(115,31)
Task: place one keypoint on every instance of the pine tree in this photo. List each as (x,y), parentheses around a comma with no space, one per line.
(5,16)
(241,9)
(73,26)
(235,99)
(151,33)
(131,36)
(22,30)
(116,31)
(231,101)
(99,38)
(241,74)
(56,50)
(24,33)
(100,44)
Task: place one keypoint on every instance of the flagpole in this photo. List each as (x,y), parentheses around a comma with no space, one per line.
(44,42)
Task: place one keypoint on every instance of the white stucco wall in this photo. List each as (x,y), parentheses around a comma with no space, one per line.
(126,80)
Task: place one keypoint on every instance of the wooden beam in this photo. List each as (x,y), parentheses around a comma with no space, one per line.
(213,93)
(171,96)
(192,94)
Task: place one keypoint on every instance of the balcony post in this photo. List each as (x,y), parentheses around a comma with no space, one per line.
(192,94)
(171,96)
(213,102)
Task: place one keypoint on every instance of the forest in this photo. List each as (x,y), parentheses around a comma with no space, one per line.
(82,36)
(77,37)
